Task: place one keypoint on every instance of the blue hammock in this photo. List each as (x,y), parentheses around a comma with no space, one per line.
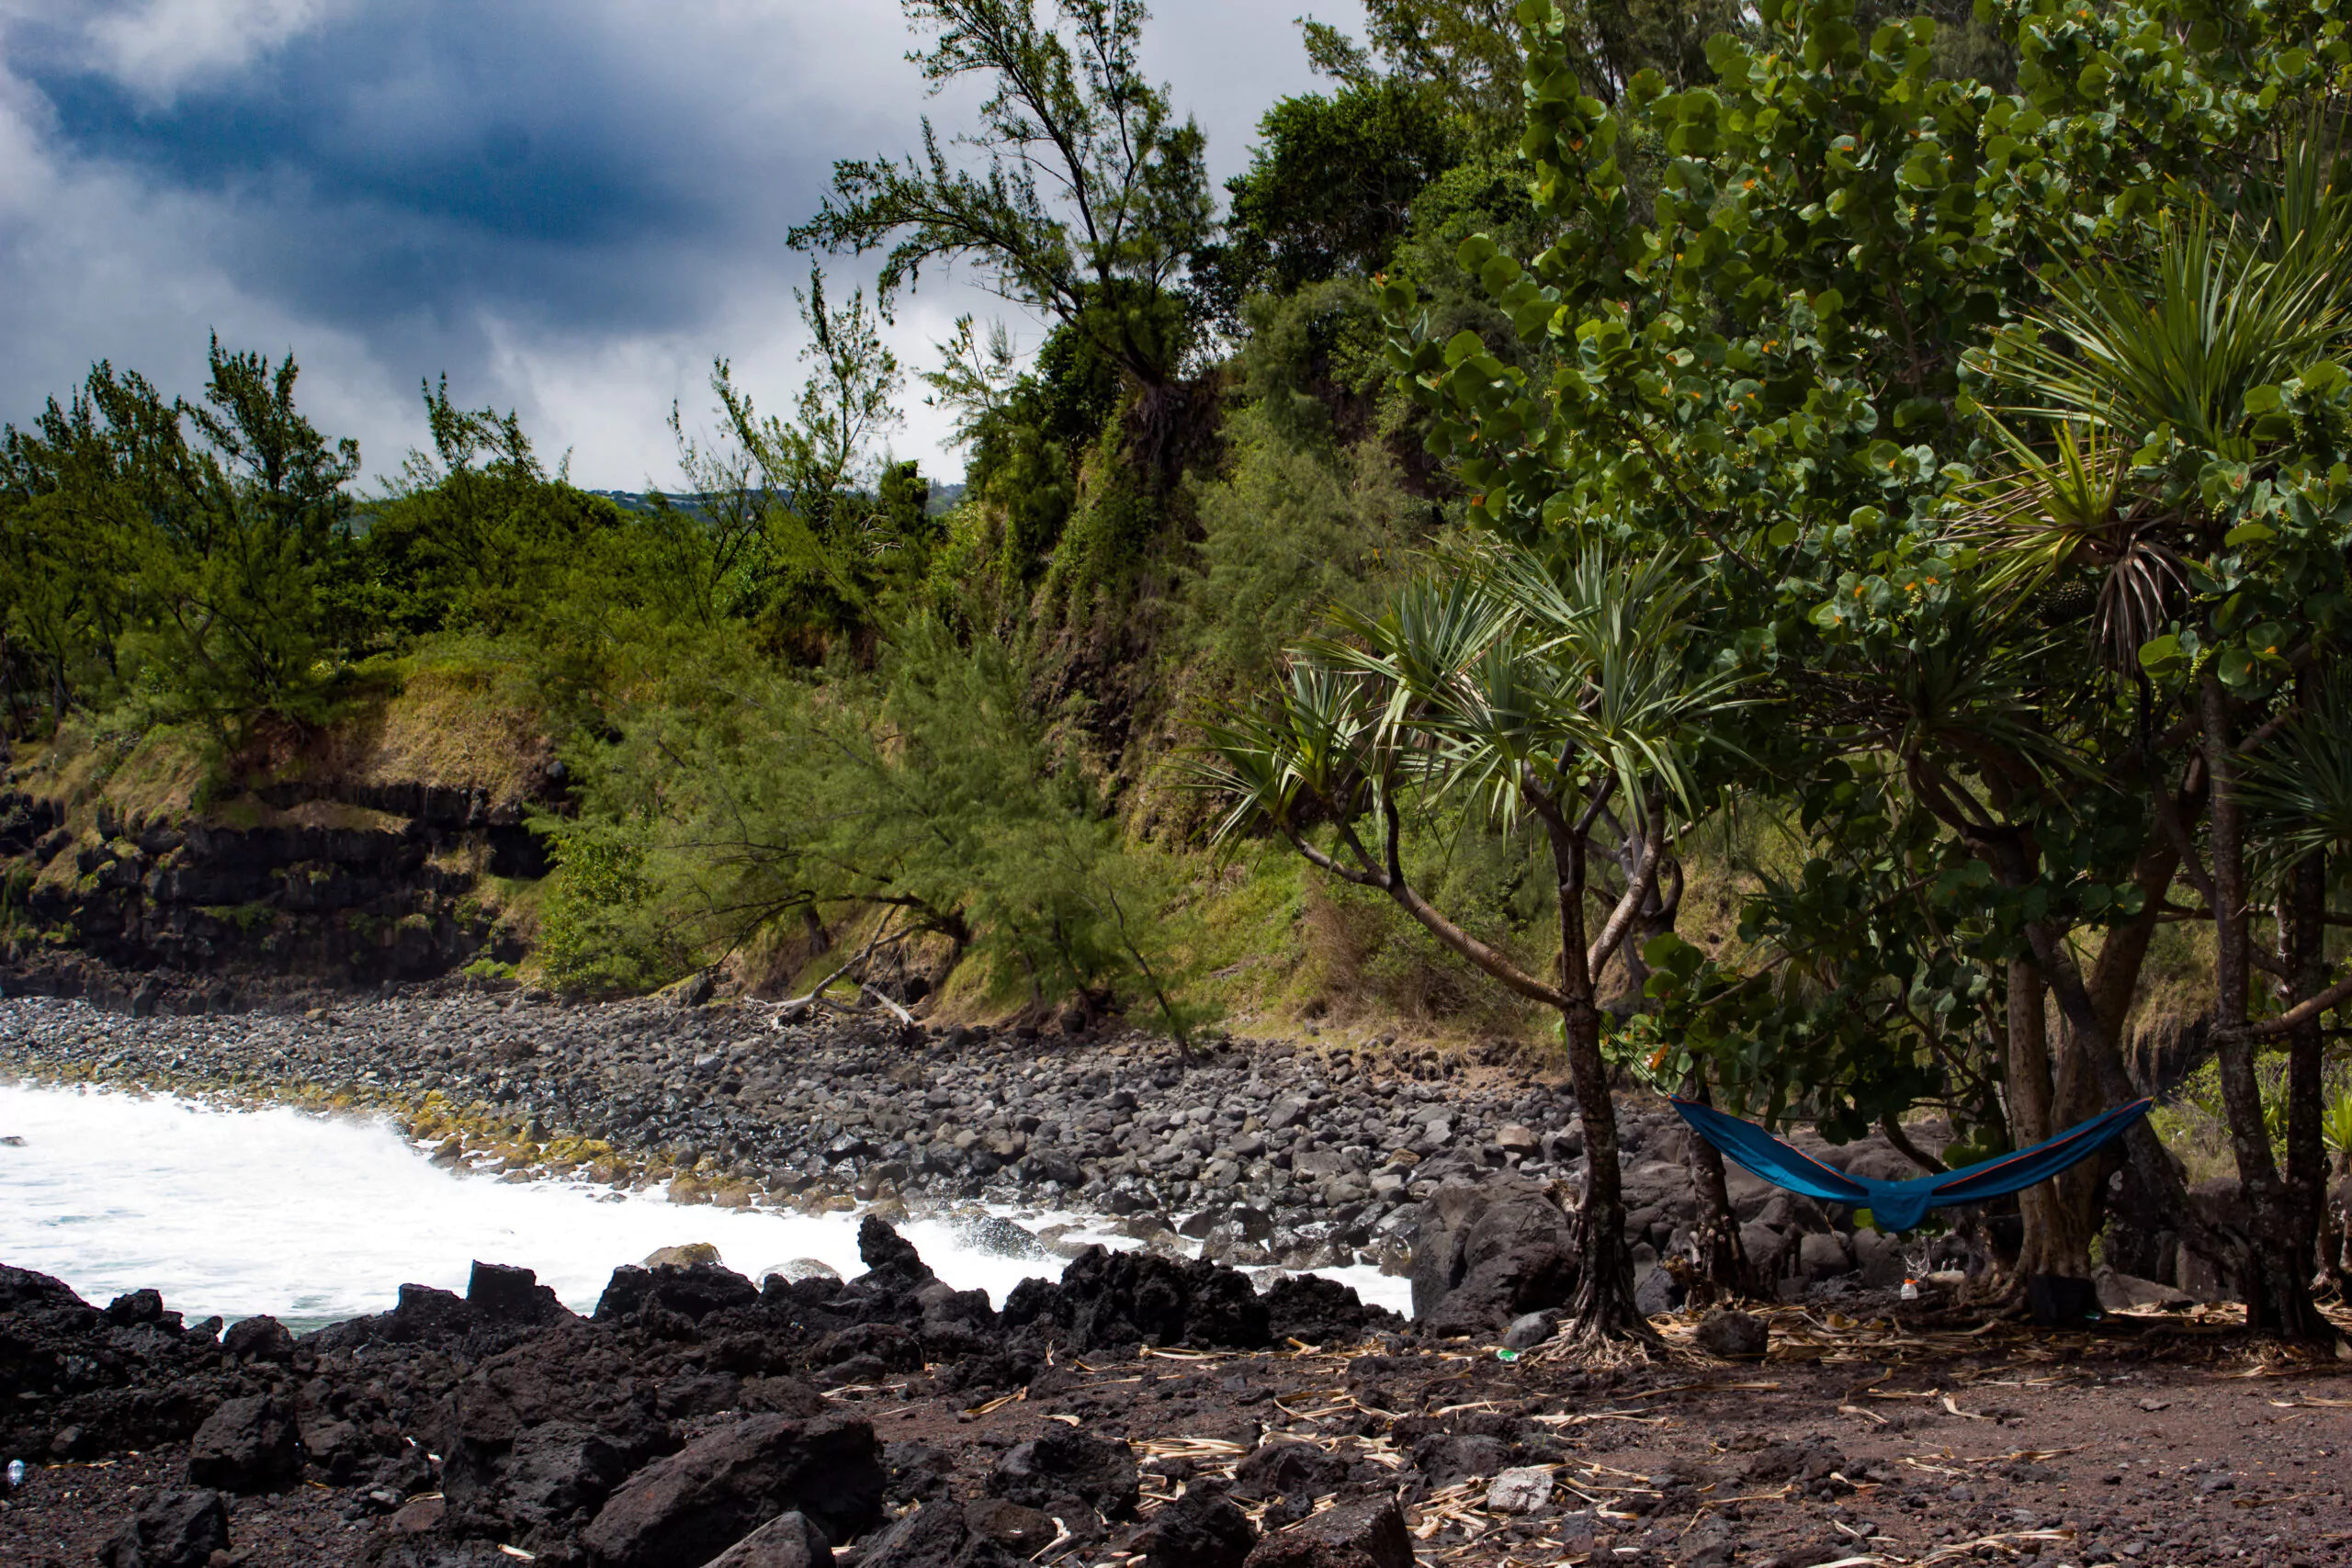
(1901,1205)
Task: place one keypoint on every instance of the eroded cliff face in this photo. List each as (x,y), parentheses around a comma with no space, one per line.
(391,847)
(270,884)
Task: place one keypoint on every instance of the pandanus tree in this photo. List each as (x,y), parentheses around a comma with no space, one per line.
(1561,689)
(2175,416)
(2298,801)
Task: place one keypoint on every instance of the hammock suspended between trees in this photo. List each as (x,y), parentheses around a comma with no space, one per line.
(1901,1205)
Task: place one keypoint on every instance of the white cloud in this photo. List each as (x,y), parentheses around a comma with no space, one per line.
(605,399)
(157,47)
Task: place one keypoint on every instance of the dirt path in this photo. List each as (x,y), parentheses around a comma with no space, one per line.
(2148,1442)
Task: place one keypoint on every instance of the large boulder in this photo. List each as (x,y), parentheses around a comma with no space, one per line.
(936,1535)
(1770,1249)
(1733,1333)
(2123,1293)
(259,1338)
(543,1432)
(695,1290)
(1466,1225)
(1873,1159)
(889,1258)
(1502,1289)
(1203,1528)
(1822,1256)
(247,1445)
(1022,1530)
(1880,1257)
(1322,1311)
(46,1322)
(1111,1299)
(788,1541)
(1065,1463)
(711,1494)
(1663,1185)
(1448,1459)
(503,1295)
(173,1530)
(1288,1468)
(1368,1533)
(423,1315)
(556,1470)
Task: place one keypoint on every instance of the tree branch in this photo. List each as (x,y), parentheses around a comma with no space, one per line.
(2293,1018)
(1637,893)
(1896,1135)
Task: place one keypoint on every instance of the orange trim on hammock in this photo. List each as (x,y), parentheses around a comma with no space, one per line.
(1959,1181)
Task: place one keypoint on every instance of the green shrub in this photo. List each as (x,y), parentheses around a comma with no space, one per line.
(600,930)
(2195,1123)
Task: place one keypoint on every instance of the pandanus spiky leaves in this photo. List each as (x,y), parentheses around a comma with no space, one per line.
(2152,353)
(2174,343)
(1314,743)
(2297,791)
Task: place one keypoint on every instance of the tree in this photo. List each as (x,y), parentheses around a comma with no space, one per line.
(1329,188)
(1774,364)
(927,786)
(476,536)
(199,568)
(1470,50)
(806,519)
(237,569)
(1093,199)
(1543,687)
(2183,348)
(67,532)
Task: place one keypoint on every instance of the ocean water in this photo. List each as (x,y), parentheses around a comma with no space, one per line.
(313,1218)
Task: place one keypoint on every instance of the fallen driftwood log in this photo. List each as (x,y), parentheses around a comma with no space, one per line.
(793,1008)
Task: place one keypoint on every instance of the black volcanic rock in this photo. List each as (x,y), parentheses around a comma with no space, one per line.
(173,1530)
(247,1445)
(703,1499)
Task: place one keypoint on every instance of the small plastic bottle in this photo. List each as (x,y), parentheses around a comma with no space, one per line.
(16,1474)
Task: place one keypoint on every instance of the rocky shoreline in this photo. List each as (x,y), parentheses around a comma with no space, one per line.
(1261,1154)
(1138,1413)
(1149,1409)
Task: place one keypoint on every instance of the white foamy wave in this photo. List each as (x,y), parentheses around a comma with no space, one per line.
(314,1219)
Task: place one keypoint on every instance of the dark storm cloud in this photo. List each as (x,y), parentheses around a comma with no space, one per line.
(443,152)
(569,206)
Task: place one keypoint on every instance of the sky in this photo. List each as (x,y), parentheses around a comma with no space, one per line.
(569,207)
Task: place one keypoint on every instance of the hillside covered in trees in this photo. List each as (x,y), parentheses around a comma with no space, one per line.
(1795,554)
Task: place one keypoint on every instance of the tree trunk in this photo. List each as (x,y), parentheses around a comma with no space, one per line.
(2113,983)
(2054,1243)
(2277,1297)
(1661,908)
(2302,927)
(2153,1164)
(1603,1308)
(2334,1245)
(1723,1260)
(2011,857)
